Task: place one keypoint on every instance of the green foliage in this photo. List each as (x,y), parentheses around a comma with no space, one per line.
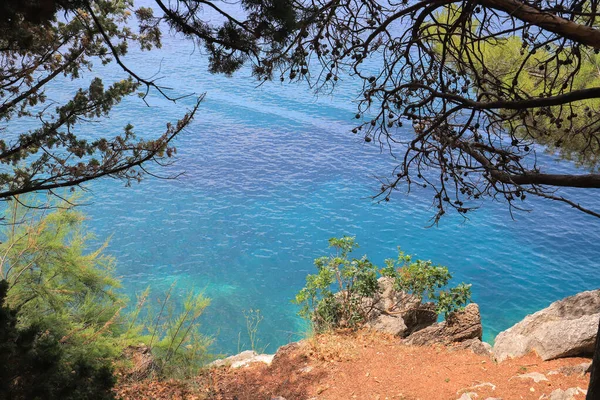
(62,330)
(37,49)
(569,132)
(335,296)
(425,280)
(36,364)
(354,279)
(52,280)
(532,73)
(65,306)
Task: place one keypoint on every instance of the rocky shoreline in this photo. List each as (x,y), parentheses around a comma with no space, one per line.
(566,328)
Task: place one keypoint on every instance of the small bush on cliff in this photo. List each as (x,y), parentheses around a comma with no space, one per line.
(62,329)
(425,280)
(335,296)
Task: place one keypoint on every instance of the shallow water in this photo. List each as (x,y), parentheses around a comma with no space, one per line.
(271,173)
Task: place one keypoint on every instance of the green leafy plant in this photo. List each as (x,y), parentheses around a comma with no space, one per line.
(337,295)
(353,278)
(428,282)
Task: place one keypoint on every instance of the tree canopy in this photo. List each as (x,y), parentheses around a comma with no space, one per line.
(44,41)
(483,83)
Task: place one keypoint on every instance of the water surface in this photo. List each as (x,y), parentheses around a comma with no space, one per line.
(271,173)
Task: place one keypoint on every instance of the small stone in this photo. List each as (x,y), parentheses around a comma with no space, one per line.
(388,324)
(243,359)
(579,369)
(475,387)
(306,369)
(476,346)
(262,358)
(468,396)
(483,385)
(535,376)
(322,388)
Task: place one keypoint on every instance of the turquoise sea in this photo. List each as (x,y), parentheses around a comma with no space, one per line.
(271,172)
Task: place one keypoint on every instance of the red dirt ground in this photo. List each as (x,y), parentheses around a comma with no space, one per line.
(370,366)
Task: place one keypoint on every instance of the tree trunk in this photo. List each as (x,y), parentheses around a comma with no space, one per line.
(593,392)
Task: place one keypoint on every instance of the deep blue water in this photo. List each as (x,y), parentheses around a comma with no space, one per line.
(271,173)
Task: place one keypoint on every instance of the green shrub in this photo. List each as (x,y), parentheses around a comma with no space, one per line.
(335,296)
(65,305)
(35,362)
(427,282)
(62,327)
(353,279)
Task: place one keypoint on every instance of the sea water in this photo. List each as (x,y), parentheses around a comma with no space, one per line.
(271,172)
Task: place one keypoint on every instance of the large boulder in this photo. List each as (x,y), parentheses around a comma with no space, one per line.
(458,327)
(395,312)
(391,324)
(566,328)
(476,346)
